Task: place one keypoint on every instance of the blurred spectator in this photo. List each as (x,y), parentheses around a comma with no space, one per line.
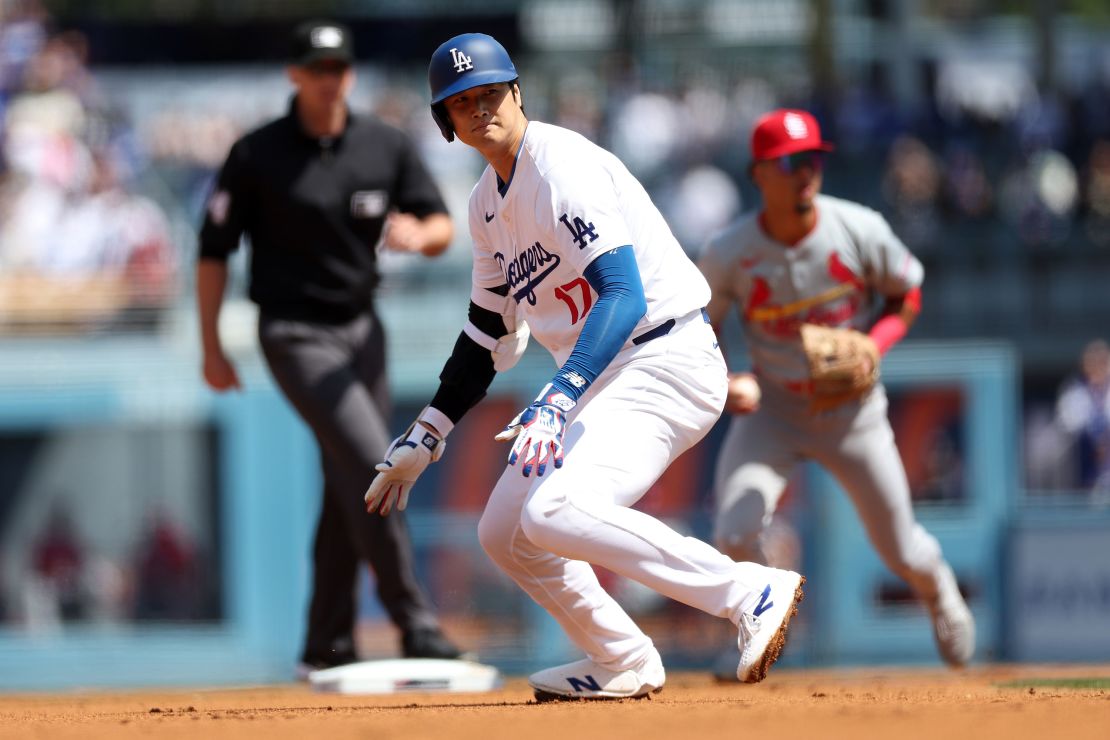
(1083,412)
(982,90)
(867,119)
(57,562)
(169,581)
(576,106)
(79,259)
(1048,465)
(646,130)
(911,185)
(1096,195)
(1041,123)
(112,232)
(967,192)
(1038,197)
(76,249)
(22,33)
(704,112)
(701,203)
(44,123)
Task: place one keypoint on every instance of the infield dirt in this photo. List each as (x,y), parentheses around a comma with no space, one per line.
(983,702)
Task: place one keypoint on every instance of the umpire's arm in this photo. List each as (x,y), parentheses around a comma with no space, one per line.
(223,226)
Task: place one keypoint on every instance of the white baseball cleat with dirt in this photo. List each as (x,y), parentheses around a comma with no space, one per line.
(953,624)
(762,627)
(584,679)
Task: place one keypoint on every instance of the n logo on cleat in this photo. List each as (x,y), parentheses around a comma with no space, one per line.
(589,683)
(763,604)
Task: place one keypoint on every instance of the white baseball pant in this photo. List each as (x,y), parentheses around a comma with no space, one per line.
(653,403)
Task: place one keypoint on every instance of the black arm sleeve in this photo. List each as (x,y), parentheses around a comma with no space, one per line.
(469,371)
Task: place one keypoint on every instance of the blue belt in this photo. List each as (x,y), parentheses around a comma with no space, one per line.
(663,329)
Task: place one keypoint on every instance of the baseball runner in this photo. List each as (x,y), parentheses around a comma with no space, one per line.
(808,274)
(569,249)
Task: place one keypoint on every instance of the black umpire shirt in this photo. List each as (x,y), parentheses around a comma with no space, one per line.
(313,210)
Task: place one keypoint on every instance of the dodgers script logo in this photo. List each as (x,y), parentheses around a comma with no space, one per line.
(529,267)
(461,61)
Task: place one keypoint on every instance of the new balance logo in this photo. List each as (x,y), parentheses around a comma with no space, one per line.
(580,684)
(461,61)
(489,217)
(429,441)
(580,230)
(574,378)
(763,604)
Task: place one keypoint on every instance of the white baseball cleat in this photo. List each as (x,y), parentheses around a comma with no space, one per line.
(953,624)
(762,629)
(584,679)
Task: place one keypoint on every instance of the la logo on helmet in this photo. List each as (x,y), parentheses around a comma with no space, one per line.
(461,61)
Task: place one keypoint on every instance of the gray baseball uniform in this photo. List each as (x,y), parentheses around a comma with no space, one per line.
(838,275)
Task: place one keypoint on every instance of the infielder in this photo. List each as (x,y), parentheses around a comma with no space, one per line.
(802,264)
(568,243)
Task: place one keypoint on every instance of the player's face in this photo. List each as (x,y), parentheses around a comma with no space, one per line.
(486,116)
(792,181)
(322,84)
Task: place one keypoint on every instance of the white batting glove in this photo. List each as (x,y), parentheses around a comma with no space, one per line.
(406,459)
(539,432)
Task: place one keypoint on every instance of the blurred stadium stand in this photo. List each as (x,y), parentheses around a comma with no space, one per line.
(145,522)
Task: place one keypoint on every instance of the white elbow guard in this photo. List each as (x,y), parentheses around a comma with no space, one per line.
(506,350)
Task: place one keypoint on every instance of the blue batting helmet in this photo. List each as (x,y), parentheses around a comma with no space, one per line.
(463,62)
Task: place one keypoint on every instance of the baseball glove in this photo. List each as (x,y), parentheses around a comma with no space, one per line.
(843,364)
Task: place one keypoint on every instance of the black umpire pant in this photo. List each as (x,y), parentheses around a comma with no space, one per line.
(334,376)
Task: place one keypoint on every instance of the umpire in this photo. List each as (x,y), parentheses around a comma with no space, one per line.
(314,191)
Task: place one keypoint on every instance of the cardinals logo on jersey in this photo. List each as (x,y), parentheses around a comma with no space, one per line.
(825,308)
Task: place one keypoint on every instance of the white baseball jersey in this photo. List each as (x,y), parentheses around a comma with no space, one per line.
(567,202)
(838,275)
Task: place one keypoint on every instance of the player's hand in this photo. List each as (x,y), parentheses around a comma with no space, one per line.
(539,432)
(404,233)
(219,372)
(743,394)
(406,459)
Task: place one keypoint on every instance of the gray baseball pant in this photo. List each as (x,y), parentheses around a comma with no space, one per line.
(334,376)
(855,444)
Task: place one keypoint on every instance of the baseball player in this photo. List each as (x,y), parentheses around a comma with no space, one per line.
(804,263)
(568,244)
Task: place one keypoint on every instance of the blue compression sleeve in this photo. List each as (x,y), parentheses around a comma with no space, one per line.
(620,306)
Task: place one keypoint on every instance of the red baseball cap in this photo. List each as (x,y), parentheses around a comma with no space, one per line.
(783,132)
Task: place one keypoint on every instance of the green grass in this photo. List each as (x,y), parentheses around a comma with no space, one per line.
(1057,683)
